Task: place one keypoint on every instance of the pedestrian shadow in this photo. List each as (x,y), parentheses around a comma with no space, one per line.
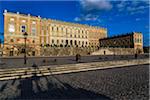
(3,87)
(55,89)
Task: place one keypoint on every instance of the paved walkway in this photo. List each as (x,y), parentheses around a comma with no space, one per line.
(18,62)
(15,73)
(126,83)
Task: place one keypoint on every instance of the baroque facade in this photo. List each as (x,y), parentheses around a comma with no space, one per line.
(44,33)
(129,40)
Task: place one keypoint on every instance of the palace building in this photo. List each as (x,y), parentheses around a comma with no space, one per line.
(130,40)
(44,33)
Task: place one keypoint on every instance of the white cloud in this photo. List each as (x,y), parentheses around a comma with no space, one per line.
(122,4)
(137,19)
(136,8)
(133,7)
(77,19)
(96,4)
(88,17)
(90,9)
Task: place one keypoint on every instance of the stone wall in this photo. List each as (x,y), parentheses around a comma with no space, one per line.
(114,51)
(65,51)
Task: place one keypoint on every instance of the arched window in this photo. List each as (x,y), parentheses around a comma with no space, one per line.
(66,42)
(75,42)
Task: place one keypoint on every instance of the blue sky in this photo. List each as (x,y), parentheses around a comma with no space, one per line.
(119,17)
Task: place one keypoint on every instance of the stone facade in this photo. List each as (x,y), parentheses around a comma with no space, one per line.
(46,33)
(114,51)
(131,40)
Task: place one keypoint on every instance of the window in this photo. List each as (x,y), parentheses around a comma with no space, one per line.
(86,43)
(82,42)
(33,30)
(11,40)
(66,42)
(57,41)
(52,28)
(62,41)
(140,40)
(11,28)
(52,41)
(23,28)
(71,42)
(11,19)
(75,42)
(79,42)
(33,22)
(33,41)
(23,21)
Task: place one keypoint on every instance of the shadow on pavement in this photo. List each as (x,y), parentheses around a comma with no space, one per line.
(55,89)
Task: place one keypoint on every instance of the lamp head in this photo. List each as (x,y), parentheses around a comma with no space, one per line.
(25,34)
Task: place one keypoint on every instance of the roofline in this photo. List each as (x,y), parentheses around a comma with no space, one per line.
(25,15)
(122,35)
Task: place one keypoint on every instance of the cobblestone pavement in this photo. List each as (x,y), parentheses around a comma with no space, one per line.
(127,83)
(18,62)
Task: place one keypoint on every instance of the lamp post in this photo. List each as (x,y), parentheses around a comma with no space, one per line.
(25,39)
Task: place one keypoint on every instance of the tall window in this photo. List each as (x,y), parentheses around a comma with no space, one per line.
(62,41)
(33,30)
(52,28)
(11,28)
(52,41)
(57,41)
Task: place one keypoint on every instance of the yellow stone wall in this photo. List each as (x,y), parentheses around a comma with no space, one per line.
(48,31)
(138,40)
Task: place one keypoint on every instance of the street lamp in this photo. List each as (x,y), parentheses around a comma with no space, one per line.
(25,39)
